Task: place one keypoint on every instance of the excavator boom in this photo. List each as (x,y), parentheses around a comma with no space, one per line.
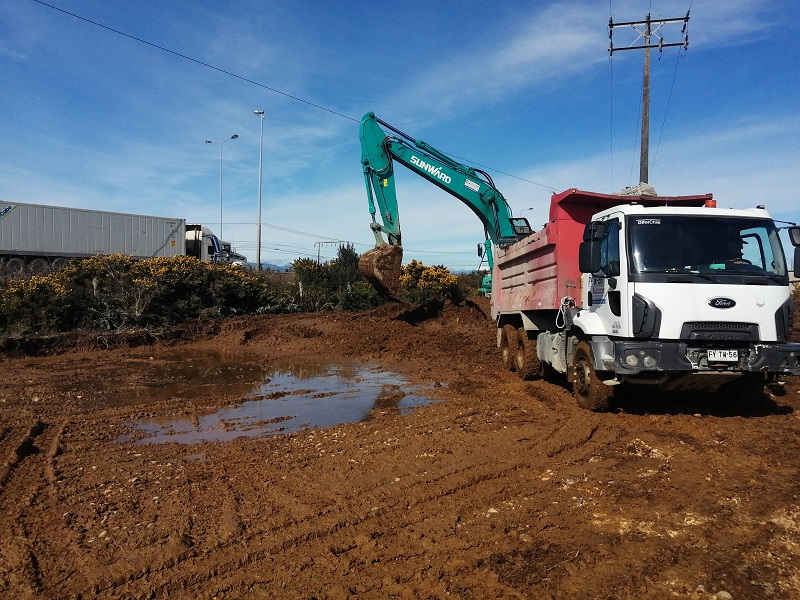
(472,186)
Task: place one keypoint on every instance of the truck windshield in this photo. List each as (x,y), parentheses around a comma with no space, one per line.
(697,244)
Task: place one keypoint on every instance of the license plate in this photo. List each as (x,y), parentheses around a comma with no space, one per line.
(723,355)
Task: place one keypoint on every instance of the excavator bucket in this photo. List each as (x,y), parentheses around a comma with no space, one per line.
(381,266)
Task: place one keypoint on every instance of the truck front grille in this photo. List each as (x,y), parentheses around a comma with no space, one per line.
(719,331)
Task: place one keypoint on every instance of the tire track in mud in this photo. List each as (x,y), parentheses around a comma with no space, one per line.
(70,542)
(330,531)
(18,553)
(24,448)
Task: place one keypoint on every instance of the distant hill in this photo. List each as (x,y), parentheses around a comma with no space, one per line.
(271,267)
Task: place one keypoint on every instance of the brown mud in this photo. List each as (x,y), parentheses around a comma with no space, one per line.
(503,489)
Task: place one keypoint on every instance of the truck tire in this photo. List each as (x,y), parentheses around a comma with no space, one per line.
(15,266)
(508,345)
(39,266)
(587,386)
(527,364)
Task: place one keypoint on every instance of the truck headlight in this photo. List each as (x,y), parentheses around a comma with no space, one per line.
(649,362)
(631,360)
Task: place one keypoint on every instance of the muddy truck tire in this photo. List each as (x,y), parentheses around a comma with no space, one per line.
(382,266)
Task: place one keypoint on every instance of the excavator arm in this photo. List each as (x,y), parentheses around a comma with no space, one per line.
(475,188)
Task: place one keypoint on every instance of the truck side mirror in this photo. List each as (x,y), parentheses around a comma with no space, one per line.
(589,250)
(797,261)
(794,236)
(589,257)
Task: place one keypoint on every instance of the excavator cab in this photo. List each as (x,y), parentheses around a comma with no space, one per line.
(521,226)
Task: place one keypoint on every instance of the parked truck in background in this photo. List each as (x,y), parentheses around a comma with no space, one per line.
(615,290)
(202,243)
(36,238)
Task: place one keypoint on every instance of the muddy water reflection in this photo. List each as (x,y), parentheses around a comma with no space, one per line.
(292,398)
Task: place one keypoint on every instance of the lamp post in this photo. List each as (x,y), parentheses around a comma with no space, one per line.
(220,142)
(260,114)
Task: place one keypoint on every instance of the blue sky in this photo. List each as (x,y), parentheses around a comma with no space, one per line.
(91,118)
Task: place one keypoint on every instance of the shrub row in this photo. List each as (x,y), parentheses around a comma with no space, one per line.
(115,292)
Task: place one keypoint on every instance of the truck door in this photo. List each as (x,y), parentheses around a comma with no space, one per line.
(608,293)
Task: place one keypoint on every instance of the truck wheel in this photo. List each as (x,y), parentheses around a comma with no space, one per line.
(527,361)
(587,386)
(508,345)
(15,266)
(39,266)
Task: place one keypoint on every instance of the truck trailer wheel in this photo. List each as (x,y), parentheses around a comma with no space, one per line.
(587,386)
(15,266)
(508,347)
(527,361)
(39,266)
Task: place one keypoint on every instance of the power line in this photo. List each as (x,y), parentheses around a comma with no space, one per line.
(339,241)
(666,110)
(248,80)
(476,164)
(194,60)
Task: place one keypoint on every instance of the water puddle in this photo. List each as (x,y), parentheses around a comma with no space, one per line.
(292,398)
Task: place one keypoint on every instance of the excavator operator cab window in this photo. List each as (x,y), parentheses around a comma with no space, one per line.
(521,226)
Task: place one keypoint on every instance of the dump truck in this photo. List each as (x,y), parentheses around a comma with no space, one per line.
(616,289)
(37,238)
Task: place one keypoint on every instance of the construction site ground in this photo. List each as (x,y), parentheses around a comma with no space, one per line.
(496,488)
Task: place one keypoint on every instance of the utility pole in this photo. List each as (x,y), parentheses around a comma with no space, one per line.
(319,248)
(647,34)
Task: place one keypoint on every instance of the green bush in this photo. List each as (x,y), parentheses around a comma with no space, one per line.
(333,285)
(470,283)
(420,284)
(115,292)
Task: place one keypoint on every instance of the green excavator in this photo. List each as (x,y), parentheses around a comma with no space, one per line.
(382,265)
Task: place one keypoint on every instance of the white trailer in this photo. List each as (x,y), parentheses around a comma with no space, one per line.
(38,237)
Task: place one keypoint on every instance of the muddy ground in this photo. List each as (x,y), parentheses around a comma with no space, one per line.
(501,489)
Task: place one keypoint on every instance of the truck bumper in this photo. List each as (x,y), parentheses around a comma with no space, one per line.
(626,357)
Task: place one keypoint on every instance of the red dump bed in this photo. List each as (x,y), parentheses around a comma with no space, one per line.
(536,272)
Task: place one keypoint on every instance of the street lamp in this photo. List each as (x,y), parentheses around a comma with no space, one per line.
(260,114)
(220,142)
